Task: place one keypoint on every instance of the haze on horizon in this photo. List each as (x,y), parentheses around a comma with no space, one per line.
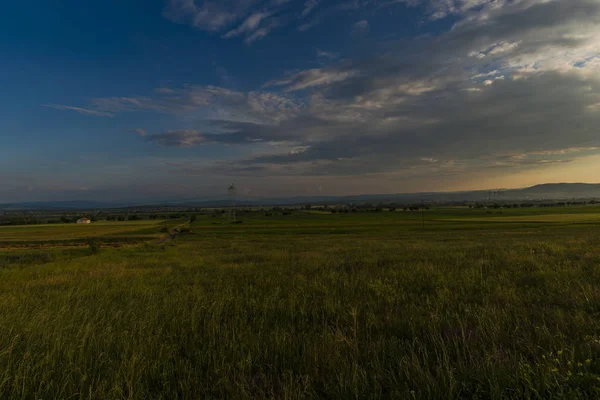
(110,100)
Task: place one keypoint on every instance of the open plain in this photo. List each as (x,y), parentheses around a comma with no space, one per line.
(475,304)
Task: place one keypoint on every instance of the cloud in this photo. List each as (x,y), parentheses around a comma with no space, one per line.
(530,91)
(256,18)
(329,55)
(309,6)
(250,25)
(335,8)
(222,16)
(513,86)
(139,132)
(214,102)
(360,28)
(257,35)
(164,90)
(238,133)
(209,16)
(79,110)
(311,78)
(184,138)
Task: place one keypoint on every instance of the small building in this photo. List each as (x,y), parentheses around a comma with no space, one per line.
(84,221)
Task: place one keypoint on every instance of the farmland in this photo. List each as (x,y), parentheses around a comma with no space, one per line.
(40,233)
(475,304)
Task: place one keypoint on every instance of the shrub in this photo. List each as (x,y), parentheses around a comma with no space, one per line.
(94,246)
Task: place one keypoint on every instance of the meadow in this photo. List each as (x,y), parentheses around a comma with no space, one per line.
(309,305)
(64,232)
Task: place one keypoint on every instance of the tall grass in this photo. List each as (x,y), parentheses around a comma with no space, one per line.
(486,313)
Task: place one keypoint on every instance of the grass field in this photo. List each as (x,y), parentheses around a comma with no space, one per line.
(366,305)
(29,233)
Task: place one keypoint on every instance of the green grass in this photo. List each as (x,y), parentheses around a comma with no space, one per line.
(72,231)
(314,305)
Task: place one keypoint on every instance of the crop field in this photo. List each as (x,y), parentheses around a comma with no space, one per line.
(473,304)
(36,233)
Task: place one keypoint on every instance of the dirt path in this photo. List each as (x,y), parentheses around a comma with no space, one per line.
(172,233)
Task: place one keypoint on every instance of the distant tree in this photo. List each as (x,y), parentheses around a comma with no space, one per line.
(193,218)
(94,246)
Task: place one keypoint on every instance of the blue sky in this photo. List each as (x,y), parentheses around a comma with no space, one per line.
(165,99)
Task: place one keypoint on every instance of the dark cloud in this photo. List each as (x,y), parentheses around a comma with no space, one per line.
(544,111)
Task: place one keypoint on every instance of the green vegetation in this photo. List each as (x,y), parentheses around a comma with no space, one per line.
(30,233)
(344,305)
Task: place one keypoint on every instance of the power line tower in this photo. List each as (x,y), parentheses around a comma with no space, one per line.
(231,192)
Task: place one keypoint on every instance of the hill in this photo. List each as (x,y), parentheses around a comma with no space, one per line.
(547,191)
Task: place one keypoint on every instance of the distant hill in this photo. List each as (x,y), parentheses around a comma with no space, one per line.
(560,191)
(547,191)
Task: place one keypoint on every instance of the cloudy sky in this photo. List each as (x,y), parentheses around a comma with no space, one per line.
(166,99)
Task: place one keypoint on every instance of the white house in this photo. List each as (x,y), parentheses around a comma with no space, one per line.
(84,221)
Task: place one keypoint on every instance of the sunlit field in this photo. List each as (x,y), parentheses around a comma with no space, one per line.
(355,305)
(29,233)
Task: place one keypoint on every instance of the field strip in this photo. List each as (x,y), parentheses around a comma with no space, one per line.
(66,232)
(547,218)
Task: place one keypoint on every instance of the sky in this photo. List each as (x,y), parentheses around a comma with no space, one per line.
(148,100)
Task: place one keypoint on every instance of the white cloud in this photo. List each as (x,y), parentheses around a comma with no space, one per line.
(360,28)
(84,111)
(311,78)
(327,54)
(250,25)
(222,16)
(257,35)
(309,6)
